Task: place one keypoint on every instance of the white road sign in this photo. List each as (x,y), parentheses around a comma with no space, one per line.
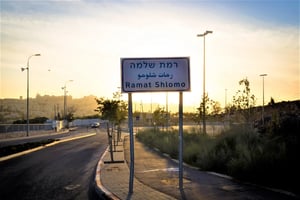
(155,74)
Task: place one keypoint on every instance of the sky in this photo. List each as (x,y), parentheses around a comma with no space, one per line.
(83,41)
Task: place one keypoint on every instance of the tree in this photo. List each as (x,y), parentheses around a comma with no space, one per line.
(272,102)
(121,112)
(107,109)
(230,109)
(117,95)
(113,110)
(243,101)
(159,117)
(196,117)
(70,113)
(215,108)
(200,109)
(211,107)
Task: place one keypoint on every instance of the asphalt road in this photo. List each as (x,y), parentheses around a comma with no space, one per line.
(63,171)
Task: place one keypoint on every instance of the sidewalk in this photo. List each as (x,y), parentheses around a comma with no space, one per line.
(112,179)
(156,176)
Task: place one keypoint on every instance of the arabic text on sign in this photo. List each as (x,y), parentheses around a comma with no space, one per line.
(153,75)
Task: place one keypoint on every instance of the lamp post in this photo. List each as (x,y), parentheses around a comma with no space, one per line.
(262,113)
(27,106)
(203,35)
(65,97)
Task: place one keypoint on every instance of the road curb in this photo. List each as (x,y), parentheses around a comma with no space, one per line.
(101,191)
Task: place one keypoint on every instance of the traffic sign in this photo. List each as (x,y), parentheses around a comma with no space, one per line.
(155,74)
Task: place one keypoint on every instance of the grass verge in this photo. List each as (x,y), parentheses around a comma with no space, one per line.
(239,152)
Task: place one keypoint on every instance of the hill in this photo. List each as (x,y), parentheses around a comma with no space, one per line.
(45,106)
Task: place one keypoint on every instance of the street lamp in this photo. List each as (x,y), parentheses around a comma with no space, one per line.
(65,97)
(27,107)
(262,114)
(203,35)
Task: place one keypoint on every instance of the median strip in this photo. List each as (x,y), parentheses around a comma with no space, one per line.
(39,146)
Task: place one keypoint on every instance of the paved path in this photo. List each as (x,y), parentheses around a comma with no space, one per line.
(113,179)
(156,176)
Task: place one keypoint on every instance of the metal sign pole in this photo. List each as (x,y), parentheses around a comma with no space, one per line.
(180,140)
(130,125)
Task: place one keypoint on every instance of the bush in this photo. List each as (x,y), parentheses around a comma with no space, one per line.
(165,141)
(239,152)
(194,145)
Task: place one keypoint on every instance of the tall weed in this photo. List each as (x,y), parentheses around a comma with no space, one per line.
(240,152)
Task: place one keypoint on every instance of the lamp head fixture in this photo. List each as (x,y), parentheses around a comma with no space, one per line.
(204,34)
(24,68)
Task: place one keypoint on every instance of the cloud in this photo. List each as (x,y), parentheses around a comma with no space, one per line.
(84,42)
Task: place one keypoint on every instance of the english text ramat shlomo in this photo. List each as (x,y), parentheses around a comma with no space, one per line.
(157,84)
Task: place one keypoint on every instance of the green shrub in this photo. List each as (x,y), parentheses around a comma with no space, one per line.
(240,152)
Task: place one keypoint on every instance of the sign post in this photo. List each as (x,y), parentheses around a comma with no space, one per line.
(130,125)
(155,75)
(180,166)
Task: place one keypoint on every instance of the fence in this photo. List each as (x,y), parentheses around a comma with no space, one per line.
(7,128)
(20,130)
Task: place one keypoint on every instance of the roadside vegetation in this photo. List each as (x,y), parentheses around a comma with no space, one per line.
(261,148)
(269,158)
